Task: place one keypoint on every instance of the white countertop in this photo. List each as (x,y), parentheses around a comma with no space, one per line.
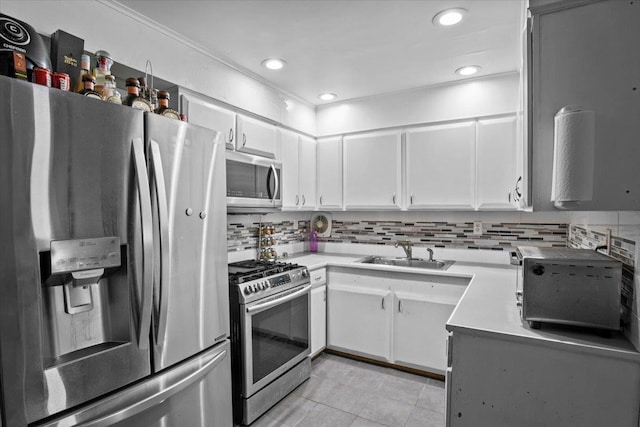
(488,305)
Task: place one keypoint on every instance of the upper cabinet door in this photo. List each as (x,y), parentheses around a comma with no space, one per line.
(372,170)
(329,173)
(587,54)
(255,136)
(441,166)
(206,114)
(497,163)
(289,157)
(307,172)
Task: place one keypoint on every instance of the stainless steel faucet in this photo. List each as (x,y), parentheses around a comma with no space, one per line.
(407,246)
(430,254)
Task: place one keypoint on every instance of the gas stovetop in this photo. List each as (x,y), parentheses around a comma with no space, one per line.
(246,271)
(255,280)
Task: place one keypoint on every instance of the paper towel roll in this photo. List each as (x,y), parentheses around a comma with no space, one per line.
(573,157)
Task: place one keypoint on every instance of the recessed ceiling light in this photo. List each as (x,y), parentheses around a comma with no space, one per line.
(449,17)
(273,63)
(327,96)
(468,70)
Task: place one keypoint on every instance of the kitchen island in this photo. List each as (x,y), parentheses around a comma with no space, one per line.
(500,372)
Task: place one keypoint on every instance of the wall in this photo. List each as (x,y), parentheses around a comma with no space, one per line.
(493,95)
(132,40)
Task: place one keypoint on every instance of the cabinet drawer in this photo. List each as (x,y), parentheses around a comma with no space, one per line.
(318,277)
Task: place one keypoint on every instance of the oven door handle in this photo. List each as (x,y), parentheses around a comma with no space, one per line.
(266,305)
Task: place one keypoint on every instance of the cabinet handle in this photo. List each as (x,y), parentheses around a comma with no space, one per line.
(304,201)
(320,200)
(394,198)
(411,198)
(244,139)
(383,303)
(399,306)
(231,135)
(297,199)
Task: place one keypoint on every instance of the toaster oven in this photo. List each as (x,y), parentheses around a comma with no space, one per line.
(578,287)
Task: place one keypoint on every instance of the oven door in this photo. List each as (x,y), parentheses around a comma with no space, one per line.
(275,336)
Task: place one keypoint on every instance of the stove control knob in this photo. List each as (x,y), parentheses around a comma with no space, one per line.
(247,290)
(305,273)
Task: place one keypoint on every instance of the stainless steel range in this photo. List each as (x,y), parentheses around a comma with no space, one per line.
(270,334)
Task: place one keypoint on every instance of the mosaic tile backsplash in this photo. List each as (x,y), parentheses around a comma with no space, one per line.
(457,235)
(623,250)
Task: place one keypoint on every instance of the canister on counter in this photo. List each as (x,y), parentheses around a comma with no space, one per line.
(62,81)
(42,76)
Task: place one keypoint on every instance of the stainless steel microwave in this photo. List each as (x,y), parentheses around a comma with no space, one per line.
(253,182)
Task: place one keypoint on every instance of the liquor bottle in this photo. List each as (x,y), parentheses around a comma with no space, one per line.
(84,69)
(163,108)
(133,98)
(103,68)
(110,92)
(89,82)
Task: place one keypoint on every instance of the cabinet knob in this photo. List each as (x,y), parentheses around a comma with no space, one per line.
(231,135)
(297,199)
(411,198)
(304,201)
(244,139)
(383,303)
(394,198)
(320,200)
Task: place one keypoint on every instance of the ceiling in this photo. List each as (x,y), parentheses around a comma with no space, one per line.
(354,48)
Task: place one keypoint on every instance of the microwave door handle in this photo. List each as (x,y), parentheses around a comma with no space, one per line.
(267,305)
(276,190)
(144,198)
(165,245)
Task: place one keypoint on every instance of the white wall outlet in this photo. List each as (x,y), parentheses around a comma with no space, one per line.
(477,228)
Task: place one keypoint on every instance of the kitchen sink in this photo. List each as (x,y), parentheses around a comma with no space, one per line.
(408,262)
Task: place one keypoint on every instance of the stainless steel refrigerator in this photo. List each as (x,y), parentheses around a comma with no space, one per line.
(113,269)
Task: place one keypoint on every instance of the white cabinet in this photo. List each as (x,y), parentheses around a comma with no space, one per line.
(289,158)
(318,311)
(209,115)
(391,316)
(419,334)
(586,53)
(359,320)
(329,173)
(497,162)
(440,166)
(502,380)
(255,136)
(307,172)
(372,170)
(298,156)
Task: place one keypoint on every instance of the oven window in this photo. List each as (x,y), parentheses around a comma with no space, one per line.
(279,334)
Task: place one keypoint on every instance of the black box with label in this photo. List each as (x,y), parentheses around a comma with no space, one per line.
(66,50)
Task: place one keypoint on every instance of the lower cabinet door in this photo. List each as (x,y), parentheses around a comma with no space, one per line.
(419,332)
(318,319)
(359,321)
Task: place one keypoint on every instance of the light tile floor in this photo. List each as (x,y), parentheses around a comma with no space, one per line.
(347,393)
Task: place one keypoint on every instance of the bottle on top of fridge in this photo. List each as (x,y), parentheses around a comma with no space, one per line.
(89,82)
(163,106)
(110,92)
(133,98)
(85,64)
(103,68)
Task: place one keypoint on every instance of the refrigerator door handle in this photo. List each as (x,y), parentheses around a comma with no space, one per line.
(144,198)
(157,174)
(159,397)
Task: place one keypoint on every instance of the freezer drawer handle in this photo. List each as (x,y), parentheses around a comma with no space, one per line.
(144,198)
(157,398)
(165,244)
